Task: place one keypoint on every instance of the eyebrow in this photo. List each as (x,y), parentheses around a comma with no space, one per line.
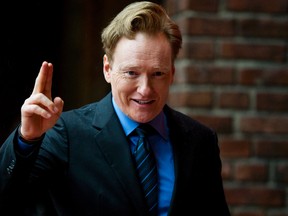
(138,68)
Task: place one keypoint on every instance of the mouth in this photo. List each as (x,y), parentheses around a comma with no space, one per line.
(143,102)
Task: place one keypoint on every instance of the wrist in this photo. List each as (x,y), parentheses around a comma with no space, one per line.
(29,141)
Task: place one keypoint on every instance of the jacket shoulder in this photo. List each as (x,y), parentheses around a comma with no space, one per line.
(177,119)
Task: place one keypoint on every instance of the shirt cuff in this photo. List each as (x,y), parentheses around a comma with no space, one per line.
(23,147)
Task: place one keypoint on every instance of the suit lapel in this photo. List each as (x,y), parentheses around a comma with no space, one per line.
(115,147)
(180,140)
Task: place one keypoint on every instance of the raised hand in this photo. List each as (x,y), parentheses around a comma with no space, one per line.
(40,112)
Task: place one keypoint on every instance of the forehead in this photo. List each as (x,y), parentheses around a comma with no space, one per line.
(154,50)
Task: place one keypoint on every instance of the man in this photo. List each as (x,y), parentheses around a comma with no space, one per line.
(81,162)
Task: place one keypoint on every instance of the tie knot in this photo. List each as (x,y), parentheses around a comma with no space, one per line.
(144,130)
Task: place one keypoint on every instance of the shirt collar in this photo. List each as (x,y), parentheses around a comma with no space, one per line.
(159,122)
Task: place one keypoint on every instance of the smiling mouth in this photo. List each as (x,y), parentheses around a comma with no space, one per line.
(144,101)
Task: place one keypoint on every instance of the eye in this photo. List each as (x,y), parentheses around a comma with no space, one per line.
(158,73)
(130,74)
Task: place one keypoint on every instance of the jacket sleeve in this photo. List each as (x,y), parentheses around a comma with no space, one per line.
(14,175)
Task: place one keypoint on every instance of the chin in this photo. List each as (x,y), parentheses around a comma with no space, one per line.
(143,119)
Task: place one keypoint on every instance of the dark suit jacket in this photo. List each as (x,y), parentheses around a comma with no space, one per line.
(84,167)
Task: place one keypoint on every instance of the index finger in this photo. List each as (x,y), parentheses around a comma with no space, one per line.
(43,83)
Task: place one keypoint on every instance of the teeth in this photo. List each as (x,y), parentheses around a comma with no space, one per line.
(143,102)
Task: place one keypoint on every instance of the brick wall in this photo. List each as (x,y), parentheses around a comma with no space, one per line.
(232,75)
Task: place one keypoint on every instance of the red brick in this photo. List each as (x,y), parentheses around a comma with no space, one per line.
(258,28)
(203,5)
(210,26)
(282,173)
(175,6)
(275,6)
(236,100)
(266,148)
(269,124)
(205,75)
(198,50)
(191,99)
(251,172)
(268,77)
(272,101)
(222,124)
(255,196)
(232,148)
(274,53)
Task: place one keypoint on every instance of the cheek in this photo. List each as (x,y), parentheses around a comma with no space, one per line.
(116,80)
(122,87)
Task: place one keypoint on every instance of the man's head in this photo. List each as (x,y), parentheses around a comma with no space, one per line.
(141,16)
(141,44)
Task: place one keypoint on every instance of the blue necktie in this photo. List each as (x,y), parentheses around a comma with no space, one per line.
(146,168)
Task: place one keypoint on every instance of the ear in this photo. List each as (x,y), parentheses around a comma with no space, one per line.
(106,69)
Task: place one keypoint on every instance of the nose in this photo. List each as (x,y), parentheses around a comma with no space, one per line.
(145,85)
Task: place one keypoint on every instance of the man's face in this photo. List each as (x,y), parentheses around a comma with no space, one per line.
(140,75)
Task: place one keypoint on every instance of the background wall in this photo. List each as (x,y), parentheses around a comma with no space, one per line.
(231,74)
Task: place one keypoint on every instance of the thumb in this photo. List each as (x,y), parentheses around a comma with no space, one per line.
(59,103)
